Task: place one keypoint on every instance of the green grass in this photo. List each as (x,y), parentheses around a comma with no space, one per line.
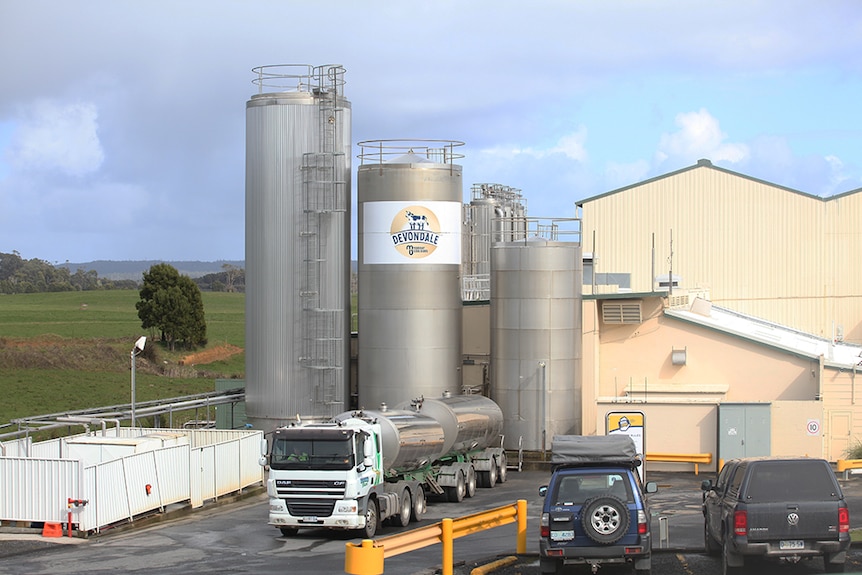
(69,351)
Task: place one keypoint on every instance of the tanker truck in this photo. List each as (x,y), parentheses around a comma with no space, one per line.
(365,467)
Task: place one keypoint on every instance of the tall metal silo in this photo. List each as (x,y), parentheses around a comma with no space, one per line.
(536,332)
(409,219)
(297,244)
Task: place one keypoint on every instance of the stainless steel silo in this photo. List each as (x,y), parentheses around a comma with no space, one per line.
(409,220)
(297,244)
(536,332)
(495,211)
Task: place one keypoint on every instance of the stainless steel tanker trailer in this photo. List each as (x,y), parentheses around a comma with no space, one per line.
(365,467)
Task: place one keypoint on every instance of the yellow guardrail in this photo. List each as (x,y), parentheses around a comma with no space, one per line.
(696,458)
(367,557)
(845,464)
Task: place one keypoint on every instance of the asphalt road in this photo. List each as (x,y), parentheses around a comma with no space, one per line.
(233,537)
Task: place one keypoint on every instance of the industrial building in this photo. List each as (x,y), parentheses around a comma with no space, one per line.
(723,311)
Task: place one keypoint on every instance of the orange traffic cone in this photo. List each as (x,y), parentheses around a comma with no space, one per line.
(52,530)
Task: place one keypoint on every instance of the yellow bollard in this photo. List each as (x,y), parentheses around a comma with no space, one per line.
(522,526)
(448,546)
(364,559)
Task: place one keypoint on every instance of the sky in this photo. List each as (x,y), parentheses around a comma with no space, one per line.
(122,122)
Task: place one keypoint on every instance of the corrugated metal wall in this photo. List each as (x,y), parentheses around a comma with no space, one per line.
(760,249)
(214,464)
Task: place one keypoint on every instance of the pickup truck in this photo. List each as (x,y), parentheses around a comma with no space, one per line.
(787,508)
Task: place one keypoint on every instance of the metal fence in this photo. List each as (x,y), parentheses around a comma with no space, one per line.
(201,465)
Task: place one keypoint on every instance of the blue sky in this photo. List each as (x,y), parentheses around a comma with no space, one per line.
(122,123)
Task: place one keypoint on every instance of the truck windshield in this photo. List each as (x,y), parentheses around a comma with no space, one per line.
(311,454)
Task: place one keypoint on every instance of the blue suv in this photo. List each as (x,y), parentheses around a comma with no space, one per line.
(594,511)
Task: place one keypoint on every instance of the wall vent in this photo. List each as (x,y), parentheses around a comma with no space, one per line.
(621,312)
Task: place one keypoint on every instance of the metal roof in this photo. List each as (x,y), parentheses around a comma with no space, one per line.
(835,354)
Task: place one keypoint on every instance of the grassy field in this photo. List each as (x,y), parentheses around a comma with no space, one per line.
(69,351)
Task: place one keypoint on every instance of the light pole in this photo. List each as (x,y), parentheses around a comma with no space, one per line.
(139,347)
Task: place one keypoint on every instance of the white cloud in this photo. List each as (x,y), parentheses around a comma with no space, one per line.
(699,136)
(58,136)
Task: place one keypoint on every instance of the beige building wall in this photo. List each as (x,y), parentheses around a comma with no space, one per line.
(760,249)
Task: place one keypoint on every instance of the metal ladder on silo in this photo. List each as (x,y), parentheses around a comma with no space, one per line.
(323,193)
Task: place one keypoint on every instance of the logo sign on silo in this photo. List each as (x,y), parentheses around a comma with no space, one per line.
(401,232)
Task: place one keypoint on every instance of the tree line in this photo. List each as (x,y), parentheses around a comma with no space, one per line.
(19,275)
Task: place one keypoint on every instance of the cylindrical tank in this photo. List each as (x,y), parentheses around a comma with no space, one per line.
(409,220)
(536,332)
(470,422)
(297,244)
(410,440)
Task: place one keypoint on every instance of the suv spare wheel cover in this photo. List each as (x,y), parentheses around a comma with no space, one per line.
(605,519)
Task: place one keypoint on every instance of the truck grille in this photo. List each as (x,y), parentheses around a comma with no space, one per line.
(310,498)
(308,507)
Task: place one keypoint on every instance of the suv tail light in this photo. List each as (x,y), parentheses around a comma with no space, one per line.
(643,525)
(740,523)
(545,526)
(843,520)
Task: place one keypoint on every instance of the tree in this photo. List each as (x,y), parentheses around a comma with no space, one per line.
(172,304)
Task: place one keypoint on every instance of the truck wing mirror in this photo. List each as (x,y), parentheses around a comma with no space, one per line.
(264,450)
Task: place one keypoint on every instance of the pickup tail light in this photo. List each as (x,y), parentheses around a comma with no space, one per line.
(740,523)
(843,520)
(545,526)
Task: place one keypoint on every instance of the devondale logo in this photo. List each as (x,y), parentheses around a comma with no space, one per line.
(415,232)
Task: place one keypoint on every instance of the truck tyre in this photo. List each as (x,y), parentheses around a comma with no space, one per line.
(418,504)
(728,557)
(504,464)
(605,519)
(491,474)
(456,493)
(289,531)
(405,509)
(831,567)
(372,518)
(471,482)
(709,543)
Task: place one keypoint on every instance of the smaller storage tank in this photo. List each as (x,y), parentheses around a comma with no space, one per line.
(410,440)
(469,421)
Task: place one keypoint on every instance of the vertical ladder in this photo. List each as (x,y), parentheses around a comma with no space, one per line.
(324,193)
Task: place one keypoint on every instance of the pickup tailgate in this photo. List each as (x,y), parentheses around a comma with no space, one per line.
(803,520)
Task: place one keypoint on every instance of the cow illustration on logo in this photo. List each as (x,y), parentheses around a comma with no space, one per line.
(415,232)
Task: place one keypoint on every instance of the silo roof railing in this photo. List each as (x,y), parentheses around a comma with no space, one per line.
(299,78)
(409,151)
(525,230)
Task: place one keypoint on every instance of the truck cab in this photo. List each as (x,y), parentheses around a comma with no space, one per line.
(321,476)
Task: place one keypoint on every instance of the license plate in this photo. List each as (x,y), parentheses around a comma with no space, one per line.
(562,535)
(791,544)
(309,519)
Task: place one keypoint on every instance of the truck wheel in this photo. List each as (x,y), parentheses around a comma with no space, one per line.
(418,504)
(456,494)
(830,567)
(728,557)
(501,472)
(372,518)
(492,473)
(710,545)
(406,509)
(289,531)
(471,482)
(605,519)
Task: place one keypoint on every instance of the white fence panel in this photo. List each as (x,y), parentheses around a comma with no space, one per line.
(172,468)
(195,474)
(227,472)
(37,489)
(249,459)
(51,449)
(108,503)
(207,472)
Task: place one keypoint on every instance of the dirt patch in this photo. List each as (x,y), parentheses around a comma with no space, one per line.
(210,355)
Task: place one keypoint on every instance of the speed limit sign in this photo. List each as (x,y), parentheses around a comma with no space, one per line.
(813,427)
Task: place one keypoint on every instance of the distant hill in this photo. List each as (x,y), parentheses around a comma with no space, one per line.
(134,270)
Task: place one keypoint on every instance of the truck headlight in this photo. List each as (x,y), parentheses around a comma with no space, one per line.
(346,507)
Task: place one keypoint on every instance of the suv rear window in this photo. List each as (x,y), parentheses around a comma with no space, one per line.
(578,488)
(781,481)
